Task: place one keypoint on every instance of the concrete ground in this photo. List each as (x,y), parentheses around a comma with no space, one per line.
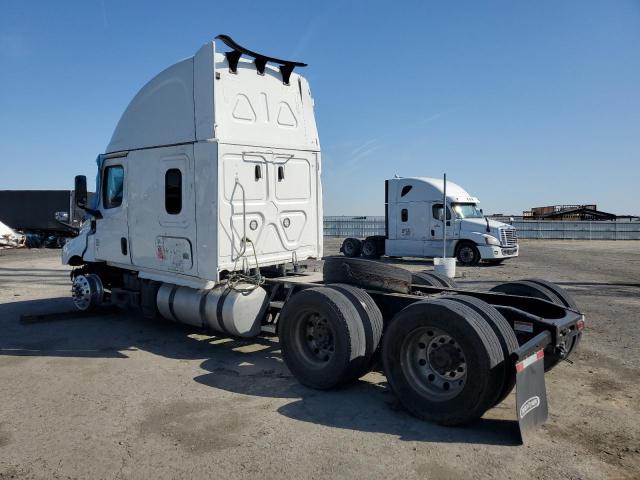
(118,396)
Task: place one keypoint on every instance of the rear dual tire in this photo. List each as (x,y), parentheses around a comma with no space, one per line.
(329,335)
(351,247)
(443,361)
(550,292)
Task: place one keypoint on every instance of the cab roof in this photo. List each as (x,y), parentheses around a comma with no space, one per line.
(223,97)
(420,189)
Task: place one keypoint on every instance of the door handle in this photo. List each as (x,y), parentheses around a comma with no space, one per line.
(123,245)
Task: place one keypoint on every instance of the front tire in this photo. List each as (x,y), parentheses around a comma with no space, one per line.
(468,254)
(87,292)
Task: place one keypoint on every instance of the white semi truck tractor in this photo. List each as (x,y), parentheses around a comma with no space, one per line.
(414,224)
(207,194)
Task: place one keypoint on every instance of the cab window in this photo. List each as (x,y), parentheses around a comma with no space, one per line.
(112,187)
(437,212)
(173,191)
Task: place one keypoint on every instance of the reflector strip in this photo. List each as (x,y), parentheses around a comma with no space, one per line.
(530,360)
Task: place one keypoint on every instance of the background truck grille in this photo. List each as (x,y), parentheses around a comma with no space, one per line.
(508,237)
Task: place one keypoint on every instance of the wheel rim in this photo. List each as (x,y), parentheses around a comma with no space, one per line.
(348,248)
(466,254)
(368,249)
(315,338)
(81,292)
(434,363)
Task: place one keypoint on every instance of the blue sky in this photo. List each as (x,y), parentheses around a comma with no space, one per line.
(523,103)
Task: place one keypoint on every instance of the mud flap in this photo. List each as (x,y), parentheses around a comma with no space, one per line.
(531,393)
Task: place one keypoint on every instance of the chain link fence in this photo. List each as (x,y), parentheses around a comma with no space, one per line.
(361,227)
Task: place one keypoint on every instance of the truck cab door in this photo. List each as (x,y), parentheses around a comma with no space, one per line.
(112,231)
(411,221)
(433,247)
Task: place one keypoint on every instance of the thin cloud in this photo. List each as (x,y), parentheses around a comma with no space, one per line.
(364,150)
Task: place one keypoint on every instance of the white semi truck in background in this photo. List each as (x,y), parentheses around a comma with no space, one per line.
(210,187)
(414,225)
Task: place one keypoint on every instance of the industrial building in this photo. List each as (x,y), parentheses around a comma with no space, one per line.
(567,212)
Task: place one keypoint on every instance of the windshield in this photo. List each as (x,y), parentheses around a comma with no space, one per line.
(467,210)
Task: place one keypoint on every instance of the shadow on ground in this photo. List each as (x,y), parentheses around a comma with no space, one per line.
(247,367)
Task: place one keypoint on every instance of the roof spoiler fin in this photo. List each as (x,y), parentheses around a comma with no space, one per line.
(233,57)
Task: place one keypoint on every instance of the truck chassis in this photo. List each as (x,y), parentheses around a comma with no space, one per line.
(449,354)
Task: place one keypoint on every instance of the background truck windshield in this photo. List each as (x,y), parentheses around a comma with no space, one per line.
(467,210)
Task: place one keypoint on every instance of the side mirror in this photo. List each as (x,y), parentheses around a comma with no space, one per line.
(482,211)
(81,191)
(80,194)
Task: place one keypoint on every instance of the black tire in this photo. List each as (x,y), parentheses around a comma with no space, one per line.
(371,318)
(370,249)
(302,357)
(481,350)
(566,299)
(366,274)
(506,337)
(351,247)
(468,254)
(432,279)
(528,288)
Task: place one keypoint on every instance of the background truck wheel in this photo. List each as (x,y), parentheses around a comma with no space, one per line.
(322,338)
(370,249)
(432,279)
(443,361)
(371,319)
(506,337)
(351,247)
(531,288)
(366,274)
(467,254)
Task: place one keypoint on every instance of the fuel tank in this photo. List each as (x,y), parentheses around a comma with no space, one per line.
(222,309)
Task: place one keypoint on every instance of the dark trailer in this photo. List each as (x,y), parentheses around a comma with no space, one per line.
(42,214)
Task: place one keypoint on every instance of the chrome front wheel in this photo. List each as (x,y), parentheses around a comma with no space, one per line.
(87,291)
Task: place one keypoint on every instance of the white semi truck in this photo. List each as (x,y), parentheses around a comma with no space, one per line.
(415,225)
(210,187)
